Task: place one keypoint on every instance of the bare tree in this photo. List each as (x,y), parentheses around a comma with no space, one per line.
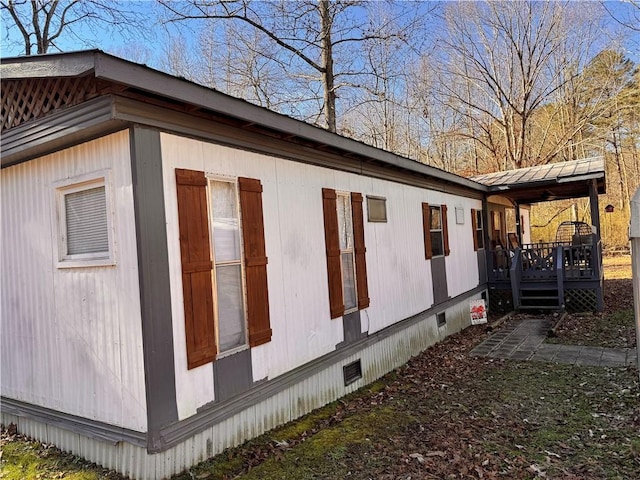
(42,24)
(381,108)
(502,64)
(627,14)
(310,36)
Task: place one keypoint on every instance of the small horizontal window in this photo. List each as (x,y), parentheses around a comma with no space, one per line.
(84,222)
(377,209)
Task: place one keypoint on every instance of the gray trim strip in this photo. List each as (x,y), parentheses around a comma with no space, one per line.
(153,272)
(178,123)
(59,130)
(83,426)
(211,414)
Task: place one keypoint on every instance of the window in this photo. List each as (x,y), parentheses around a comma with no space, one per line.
(478,229)
(345,248)
(84,222)
(436,231)
(229,299)
(437,246)
(347,257)
(224,265)
(376,209)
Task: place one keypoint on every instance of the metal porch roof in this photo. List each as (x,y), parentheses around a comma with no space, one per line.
(555,181)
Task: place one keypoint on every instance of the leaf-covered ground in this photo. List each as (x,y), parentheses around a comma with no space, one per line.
(615,327)
(443,415)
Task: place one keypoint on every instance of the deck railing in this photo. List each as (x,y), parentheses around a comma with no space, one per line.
(545,261)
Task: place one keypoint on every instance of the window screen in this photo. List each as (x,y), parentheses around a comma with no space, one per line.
(377,209)
(86,221)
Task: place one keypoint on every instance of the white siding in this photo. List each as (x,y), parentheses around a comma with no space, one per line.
(71,338)
(399,277)
(312,392)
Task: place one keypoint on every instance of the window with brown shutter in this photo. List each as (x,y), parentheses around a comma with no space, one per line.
(195,253)
(332,245)
(255,261)
(360,250)
(445,230)
(436,234)
(426,227)
(214,289)
(346,251)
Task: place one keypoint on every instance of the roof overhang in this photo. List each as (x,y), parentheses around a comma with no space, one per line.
(557,181)
(197,98)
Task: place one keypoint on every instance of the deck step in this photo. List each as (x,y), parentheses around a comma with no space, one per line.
(539,297)
(539,307)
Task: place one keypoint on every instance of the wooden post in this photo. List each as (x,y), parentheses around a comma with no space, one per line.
(634,234)
(518,226)
(595,210)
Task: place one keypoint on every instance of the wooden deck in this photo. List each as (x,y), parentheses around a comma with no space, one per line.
(547,276)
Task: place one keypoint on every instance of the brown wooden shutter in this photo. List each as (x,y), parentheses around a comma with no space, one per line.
(255,261)
(474,228)
(445,229)
(195,252)
(360,250)
(332,245)
(426,226)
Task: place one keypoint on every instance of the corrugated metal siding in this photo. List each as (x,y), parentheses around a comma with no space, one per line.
(313,392)
(72,337)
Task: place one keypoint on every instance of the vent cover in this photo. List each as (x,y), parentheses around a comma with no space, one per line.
(352,372)
(442,319)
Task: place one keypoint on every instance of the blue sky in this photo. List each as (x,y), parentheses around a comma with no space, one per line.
(112,41)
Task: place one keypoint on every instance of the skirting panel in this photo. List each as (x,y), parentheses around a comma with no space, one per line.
(500,301)
(581,300)
(312,392)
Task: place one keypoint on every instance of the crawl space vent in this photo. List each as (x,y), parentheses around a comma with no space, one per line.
(352,372)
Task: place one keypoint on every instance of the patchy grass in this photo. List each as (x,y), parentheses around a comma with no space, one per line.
(23,459)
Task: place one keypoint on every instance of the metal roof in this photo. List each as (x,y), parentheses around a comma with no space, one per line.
(554,181)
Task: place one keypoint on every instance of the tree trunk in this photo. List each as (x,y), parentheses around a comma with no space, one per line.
(327,60)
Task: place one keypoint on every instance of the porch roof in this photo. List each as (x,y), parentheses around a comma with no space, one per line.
(541,183)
